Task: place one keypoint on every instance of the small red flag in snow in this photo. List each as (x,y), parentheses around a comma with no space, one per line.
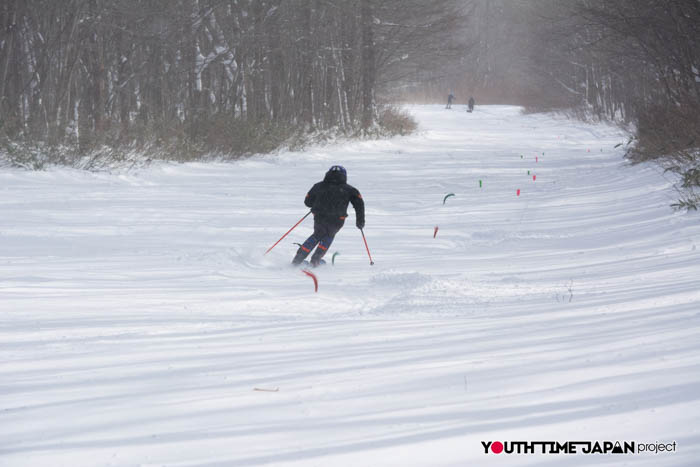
(313,276)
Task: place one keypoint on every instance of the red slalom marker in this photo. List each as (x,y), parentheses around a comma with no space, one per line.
(534,177)
(313,276)
(536,159)
(435,233)
(517,193)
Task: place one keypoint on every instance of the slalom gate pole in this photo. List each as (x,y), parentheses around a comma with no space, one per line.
(300,220)
(371,263)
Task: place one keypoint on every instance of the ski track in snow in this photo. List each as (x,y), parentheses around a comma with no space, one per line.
(138,313)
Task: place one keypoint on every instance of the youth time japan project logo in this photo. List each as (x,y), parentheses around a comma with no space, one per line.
(576,447)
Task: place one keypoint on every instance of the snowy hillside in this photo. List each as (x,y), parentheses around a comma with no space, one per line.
(140,323)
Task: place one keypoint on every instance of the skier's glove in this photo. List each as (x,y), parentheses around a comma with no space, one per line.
(360,223)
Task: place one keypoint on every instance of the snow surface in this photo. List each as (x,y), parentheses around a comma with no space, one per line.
(138,315)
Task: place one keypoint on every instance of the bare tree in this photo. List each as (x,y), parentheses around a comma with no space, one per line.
(214,74)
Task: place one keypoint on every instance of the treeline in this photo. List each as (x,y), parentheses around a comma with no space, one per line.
(634,61)
(630,60)
(228,75)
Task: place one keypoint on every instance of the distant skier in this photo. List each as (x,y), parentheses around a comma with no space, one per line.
(470,105)
(450,98)
(328,201)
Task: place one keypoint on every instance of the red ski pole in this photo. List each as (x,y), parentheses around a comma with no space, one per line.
(371,263)
(300,220)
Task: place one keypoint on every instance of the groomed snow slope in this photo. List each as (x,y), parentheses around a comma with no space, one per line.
(138,314)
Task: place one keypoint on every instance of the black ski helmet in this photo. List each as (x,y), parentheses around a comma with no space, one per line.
(338,168)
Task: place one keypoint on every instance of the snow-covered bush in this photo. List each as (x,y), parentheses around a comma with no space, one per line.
(394,121)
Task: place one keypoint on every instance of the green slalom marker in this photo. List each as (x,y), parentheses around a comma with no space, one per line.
(479,183)
(333,258)
(447,196)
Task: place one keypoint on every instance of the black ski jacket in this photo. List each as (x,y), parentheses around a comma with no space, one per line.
(329,199)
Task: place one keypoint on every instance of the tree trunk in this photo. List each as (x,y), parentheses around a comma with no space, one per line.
(368,65)
(306,67)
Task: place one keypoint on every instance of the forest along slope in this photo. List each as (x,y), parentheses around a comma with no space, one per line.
(140,322)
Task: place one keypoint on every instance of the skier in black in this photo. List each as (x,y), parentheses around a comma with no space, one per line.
(450,98)
(471,104)
(328,201)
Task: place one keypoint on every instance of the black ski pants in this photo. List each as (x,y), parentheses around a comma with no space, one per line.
(324,233)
